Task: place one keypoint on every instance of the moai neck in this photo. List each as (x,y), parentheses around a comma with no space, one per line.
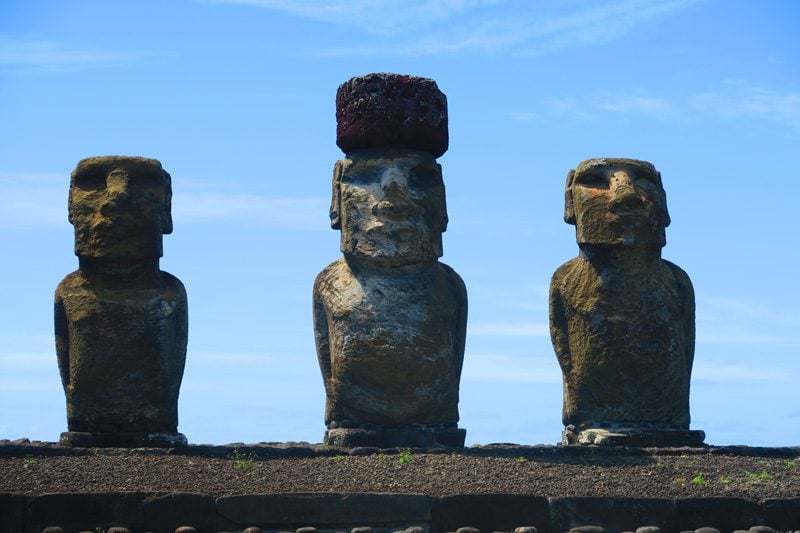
(132,274)
(628,259)
(359,264)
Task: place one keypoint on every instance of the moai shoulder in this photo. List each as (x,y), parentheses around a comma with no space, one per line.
(121,323)
(389,318)
(621,317)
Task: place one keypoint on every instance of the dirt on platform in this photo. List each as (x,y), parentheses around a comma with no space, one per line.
(751,473)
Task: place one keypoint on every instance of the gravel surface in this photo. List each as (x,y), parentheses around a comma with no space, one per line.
(751,473)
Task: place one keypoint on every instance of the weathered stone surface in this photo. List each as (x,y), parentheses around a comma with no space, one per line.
(391,111)
(622,318)
(417,437)
(725,514)
(120,322)
(613,514)
(281,510)
(137,511)
(389,318)
(782,513)
(12,511)
(489,512)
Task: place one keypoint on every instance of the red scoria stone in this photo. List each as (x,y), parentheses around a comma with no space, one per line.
(391,111)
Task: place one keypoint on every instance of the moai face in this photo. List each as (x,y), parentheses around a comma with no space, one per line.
(617,202)
(120,208)
(390,205)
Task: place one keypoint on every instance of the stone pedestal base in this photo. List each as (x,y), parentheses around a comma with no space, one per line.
(408,437)
(122,439)
(642,437)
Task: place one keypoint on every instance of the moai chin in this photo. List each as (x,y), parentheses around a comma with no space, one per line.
(389,318)
(120,322)
(622,318)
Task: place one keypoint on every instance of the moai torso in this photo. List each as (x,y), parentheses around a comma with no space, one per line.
(622,318)
(397,355)
(121,323)
(389,318)
(122,355)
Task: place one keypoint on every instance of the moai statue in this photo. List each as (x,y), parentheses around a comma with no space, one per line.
(622,318)
(389,318)
(121,323)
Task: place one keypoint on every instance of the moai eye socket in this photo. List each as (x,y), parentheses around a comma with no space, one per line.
(91,181)
(424,176)
(360,174)
(593,180)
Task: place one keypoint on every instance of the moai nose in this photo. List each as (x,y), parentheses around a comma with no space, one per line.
(624,193)
(118,185)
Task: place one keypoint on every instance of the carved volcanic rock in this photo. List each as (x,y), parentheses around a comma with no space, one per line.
(391,111)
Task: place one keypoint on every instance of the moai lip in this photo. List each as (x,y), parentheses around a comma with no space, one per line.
(121,323)
(389,318)
(391,110)
(622,318)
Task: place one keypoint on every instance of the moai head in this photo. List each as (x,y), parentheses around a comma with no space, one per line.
(388,194)
(120,207)
(617,202)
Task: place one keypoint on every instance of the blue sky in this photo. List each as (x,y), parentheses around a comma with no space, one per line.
(236,98)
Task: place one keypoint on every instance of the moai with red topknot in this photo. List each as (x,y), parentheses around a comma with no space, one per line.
(120,322)
(621,317)
(389,318)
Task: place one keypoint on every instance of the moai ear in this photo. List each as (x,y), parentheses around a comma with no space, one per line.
(664,198)
(336,197)
(166,214)
(569,203)
(445,218)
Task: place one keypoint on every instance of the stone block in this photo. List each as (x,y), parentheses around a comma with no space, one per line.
(285,510)
(782,513)
(725,514)
(490,512)
(12,511)
(138,511)
(613,514)
(391,111)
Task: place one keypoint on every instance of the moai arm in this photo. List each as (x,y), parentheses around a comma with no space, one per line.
(460,293)
(558,325)
(321,333)
(686,291)
(62,339)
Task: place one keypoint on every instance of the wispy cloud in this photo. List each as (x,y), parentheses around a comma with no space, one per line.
(303,213)
(414,27)
(731,101)
(724,372)
(378,17)
(741,321)
(742,100)
(50,55)
(33,200)
(40,200)
(492,367)
(639,105)
(510,329)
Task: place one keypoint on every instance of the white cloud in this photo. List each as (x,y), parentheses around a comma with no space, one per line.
(741,100)
(405,27)
(525,116)
(372,16)
(722,372)
(49,55)
(509,329)
(488,367)
(638,104)
(732,101)
(302,213)
(40,200)
(33,200)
